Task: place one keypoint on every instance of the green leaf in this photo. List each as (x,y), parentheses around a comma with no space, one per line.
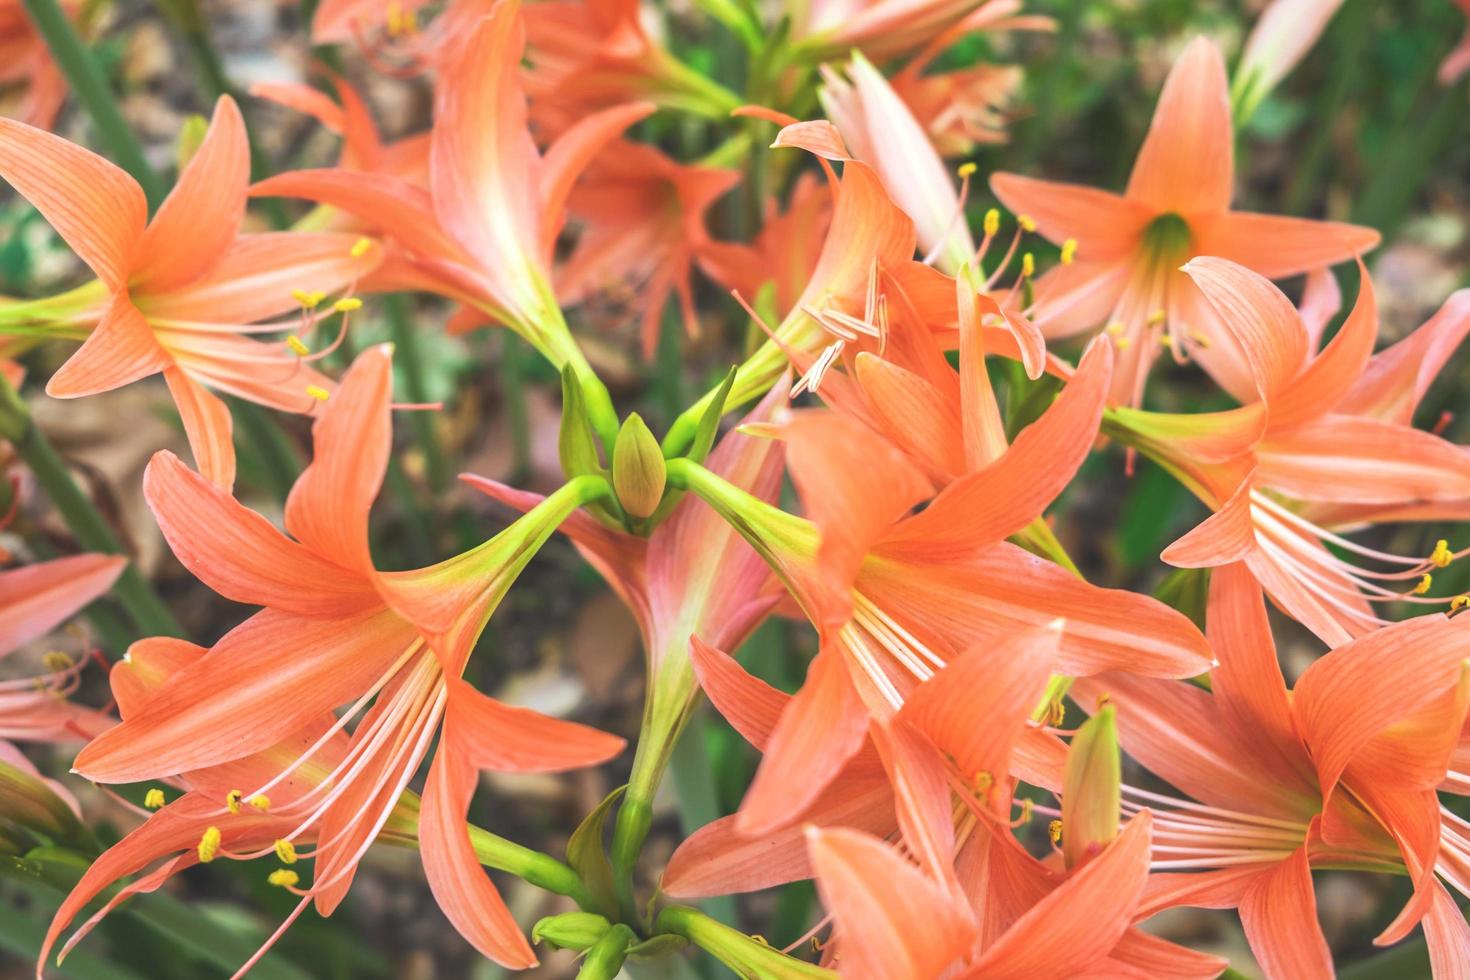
(576,444)
(709,422)
(587,854)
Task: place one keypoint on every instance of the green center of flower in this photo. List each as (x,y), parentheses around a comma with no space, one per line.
(1167,237)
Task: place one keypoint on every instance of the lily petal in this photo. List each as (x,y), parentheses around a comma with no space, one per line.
(1187,163)
(1279,913)
(207,424)
(34,599)
(120,350)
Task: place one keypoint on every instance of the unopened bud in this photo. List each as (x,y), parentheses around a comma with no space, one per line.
(1091,788)
(570,930)
(638,468)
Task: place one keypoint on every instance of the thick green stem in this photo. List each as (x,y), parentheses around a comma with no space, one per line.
(744,955)
(86,522)
(92,91)
(541,870)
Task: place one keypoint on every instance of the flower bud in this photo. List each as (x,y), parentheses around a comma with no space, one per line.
(570,930)
(1091,789)
(638,468)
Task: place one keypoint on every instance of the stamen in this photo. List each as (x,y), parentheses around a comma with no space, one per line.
(360,248)
(261,802)
(232,800)
(308,300)
(297,346)
(1069,251)
(1054,831)
(209,845)
(153,799)
(284,878)
(1027,223)
(319,393)
(285,851)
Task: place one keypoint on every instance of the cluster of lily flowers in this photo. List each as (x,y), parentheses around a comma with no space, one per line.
(950,772)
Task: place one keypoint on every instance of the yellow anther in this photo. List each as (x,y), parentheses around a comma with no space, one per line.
(153,799)
(347,305)
(308,300)
(1122,343)
(992,221)
(1115,328)
(284,878)
(1069,251)
(968,169)
(297,346)
(1157,317)
(317,392)
(983,781)
(1166,340)
(286,851)
(1028,265)
(209,844)
(1423,585)
(1459,602)
(232,800)
(1054,831)
(1027,223)
(361,247)
(1442,554)
(56,661)
(260,801)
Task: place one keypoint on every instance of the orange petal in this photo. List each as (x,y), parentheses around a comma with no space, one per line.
(382,201)
(893,921)
(93,205)
(1001,681)
(854,485)
(257,275)
(266,678)
(984,507)
(719,860)
(1261,320)
(912,414)
(1076,298)
(1279,913)
(464,892)
(1187,165)
(238,553)
(1247,683)
(148,664)
(1279,247)
(1331,374)
(822,727)
(505,738)
(207,424)
(1228,535)
(482,161)
(1398,377)
(121,349)
(1106,226)
(328,507)
(751,706)
(1158,958)
(1361,688)
(202,214)
(984,435)
(817,136)
(1362,460)
(34,599)
(304,99)
(1092,908)
(922,796)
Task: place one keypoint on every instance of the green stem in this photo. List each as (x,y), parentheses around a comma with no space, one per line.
(534,867)
(86,522)
(408,348)
(694,785)
(91,89)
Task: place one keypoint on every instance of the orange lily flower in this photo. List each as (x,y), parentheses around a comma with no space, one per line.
(35,599)
(894,598)
(642,227)
(176,295)
(27,68)
(1129,248)
(1329,446)
(340,21)
(335,631)
(1339,772)
(484,231)
(587,55)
